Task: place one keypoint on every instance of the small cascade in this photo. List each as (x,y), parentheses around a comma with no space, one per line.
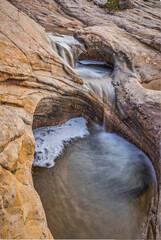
(96,74)
(67,48)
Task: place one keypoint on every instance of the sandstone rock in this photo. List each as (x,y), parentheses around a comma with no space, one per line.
(38,88)
(49,12)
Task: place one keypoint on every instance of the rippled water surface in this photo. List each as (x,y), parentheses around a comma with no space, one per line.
(100,187)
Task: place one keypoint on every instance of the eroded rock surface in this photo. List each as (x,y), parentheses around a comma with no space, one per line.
(37,87)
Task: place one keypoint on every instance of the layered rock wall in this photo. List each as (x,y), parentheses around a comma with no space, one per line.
(38,88)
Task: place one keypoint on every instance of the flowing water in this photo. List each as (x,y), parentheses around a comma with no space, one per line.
(96,75)
(100,187)
(67,47)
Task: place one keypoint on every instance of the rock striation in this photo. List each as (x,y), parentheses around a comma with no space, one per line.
(38,88)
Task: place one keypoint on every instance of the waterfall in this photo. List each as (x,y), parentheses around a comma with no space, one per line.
(67,48)
(96,74)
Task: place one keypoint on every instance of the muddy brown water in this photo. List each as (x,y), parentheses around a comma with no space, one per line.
(100,187)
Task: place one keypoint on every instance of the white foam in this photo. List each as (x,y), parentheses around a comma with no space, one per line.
(50,141)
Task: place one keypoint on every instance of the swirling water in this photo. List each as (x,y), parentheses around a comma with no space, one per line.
(100,187)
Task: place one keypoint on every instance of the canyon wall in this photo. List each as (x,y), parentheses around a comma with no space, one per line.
(37,88)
